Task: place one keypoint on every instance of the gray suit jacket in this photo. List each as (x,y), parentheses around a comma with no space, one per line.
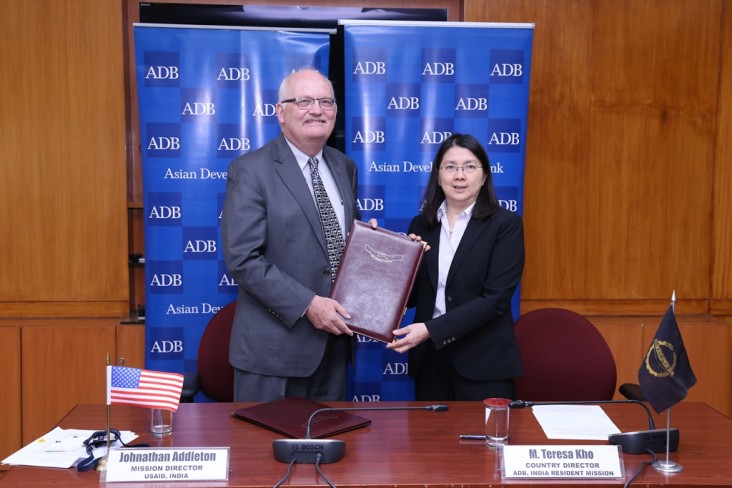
(275,249)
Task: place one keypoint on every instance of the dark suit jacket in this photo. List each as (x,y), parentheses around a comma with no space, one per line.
(275,249)
(477,329)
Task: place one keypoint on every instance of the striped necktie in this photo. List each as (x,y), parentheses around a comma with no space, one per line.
(328,219)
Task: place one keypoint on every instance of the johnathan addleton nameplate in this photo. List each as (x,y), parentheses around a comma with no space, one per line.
(168,464)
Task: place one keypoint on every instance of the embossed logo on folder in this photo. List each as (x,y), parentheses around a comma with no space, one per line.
(381,256)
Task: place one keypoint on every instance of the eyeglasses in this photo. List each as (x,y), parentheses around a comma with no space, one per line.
(469,168)
(304,103)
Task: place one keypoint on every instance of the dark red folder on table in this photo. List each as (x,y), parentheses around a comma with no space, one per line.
(289,417)
(375,278)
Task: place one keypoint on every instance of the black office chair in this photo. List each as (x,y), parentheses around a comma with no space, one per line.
(565,358)
(214,376)
(632,391)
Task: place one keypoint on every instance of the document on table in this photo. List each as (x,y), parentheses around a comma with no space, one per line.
(60,448)
(585,422)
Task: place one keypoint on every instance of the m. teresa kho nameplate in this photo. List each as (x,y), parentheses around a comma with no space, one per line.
(566,462)
(168,464)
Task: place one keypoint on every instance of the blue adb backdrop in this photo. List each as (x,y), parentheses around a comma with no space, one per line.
(207,95)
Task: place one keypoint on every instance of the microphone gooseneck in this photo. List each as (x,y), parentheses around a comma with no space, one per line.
(638,442)
(324,451)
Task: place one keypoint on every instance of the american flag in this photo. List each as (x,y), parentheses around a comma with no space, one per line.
(144,388)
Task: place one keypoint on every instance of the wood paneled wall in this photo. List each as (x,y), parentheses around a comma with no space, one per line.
(628,188)
(10,405)
(722,232)
(628,175)
(628,184)
(63,224)
(628,179)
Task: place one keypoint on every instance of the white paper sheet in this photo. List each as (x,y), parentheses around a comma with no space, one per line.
(584,422)
(60,448)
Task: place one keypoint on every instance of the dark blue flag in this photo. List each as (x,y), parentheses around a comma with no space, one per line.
(665,375)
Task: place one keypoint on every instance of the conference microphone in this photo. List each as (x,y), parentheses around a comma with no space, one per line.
(638,442)
(311,451)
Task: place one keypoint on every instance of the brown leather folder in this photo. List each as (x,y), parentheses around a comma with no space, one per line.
(375,278)
(289,417)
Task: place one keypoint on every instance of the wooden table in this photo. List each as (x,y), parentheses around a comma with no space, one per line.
(400,448)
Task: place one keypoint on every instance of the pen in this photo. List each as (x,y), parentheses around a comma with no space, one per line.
(472,437)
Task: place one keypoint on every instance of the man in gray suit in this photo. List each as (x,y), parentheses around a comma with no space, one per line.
(289,338)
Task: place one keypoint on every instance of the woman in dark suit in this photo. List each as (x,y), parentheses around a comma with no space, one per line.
(461,344)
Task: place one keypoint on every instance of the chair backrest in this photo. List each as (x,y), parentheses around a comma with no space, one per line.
(215,374)
(565,358)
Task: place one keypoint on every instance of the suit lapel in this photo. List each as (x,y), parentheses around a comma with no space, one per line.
(293,179)
(432,257)
(472,232)
(342,181)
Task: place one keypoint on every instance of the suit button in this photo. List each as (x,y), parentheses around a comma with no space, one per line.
(326,271)
(449,298)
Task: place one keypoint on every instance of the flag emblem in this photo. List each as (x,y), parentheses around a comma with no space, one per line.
(661,359)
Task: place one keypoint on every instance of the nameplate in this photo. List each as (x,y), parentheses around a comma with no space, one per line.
(168,464)
(566,462)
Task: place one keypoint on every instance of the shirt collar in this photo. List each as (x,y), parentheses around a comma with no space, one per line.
(301,157)
(442,211)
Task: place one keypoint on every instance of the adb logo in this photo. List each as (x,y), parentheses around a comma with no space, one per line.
(504,135)
(368,134)
(196,105)
(369,65)
(363,339)
(265,109)
(226,284)
(471,101)
(508,198)
(232,70)
(366,398)
(166,343)
(231,140)
(220,199)
(200,243)
(434,132)
(438,65)
(371,201)
(165,209)
(164,277)
(162,69)
(403,99)
(395,368)
(507,66)
(162,140)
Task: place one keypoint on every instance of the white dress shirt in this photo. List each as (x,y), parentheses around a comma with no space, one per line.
(328,182)
(449,241)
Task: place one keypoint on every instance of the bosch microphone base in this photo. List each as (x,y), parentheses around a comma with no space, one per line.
(306,451)
(646,440)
